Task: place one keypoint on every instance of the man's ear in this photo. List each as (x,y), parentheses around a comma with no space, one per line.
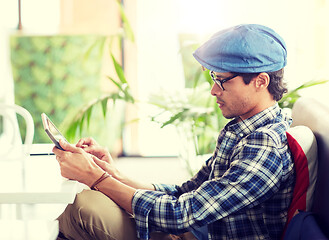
(262,81)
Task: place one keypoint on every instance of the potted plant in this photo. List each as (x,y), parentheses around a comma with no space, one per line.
(101,108)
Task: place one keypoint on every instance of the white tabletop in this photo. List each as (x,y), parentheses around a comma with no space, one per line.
(37,180)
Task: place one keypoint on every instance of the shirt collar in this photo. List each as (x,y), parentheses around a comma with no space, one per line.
(243,128)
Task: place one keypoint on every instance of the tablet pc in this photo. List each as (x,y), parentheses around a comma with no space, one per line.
(51,130)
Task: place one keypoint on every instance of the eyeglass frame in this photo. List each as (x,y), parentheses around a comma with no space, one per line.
(220,82)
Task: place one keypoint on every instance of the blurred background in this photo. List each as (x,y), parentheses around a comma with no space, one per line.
(123,71)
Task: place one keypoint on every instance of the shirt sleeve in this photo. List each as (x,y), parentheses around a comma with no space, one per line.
(252,178)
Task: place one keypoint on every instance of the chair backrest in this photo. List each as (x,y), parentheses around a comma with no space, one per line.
(10,137)
(303,147)
(315,115)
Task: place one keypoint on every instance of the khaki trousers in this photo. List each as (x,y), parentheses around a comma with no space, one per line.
(93,215)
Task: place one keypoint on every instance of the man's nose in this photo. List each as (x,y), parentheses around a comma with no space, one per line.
(216,90)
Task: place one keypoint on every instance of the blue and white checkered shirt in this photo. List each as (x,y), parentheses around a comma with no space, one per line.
(242,192)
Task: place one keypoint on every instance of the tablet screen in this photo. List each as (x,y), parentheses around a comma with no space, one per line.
(54,131)
(51,130)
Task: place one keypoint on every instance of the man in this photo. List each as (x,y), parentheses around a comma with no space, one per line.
(242,192)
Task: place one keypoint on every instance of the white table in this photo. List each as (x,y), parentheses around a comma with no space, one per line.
(36,180)
(33,183)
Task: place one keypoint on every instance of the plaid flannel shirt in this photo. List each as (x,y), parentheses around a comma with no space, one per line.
(242,192)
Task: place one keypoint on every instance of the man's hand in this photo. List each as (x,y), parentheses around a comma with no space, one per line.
(92,147)
(100,155)
(76,164)
(88,154)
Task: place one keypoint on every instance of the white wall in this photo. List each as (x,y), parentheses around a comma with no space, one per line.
(159,66)
(8,21)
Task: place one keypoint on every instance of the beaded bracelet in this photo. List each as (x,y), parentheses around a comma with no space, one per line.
(104,176)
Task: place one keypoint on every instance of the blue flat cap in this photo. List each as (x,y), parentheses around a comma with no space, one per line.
(246,48)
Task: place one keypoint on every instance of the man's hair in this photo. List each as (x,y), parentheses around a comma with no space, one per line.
(277,86)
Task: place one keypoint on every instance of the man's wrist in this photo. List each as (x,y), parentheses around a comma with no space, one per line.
(94,186)
(119,176)
(93,176)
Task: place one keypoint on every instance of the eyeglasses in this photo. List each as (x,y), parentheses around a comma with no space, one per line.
(220,82)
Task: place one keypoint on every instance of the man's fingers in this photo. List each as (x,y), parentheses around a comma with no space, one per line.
(68,147)
(100,163)
(83,142)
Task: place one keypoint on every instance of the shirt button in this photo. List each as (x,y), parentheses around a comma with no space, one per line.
(241,135)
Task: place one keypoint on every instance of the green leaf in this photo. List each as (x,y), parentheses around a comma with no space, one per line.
(99,44)
(88,112)
(120,86)
(174,118)
(124,92)
(126,25)
(104,106)
(118,70)
(71,131)
(288,100)
(311,83)
(81,124)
